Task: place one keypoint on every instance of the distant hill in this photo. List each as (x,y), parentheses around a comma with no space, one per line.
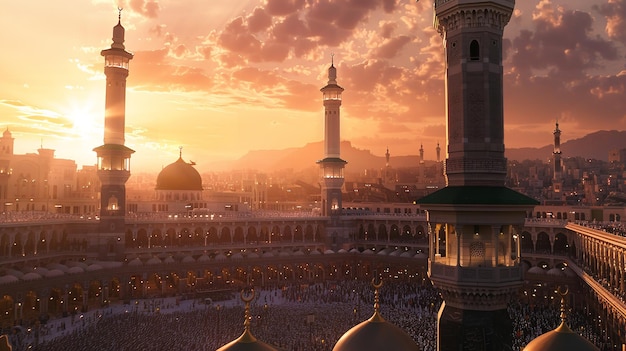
(595,145)
(307,156)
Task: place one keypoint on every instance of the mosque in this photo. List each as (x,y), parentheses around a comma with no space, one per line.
(475,214)
(475,202)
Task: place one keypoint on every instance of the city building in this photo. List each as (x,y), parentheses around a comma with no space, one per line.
(475,239)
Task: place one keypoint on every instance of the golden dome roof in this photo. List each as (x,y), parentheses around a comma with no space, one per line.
(247,341)
(375,334)
(179,175)
(561,338)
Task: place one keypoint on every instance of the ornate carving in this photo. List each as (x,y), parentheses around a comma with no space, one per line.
(472,16)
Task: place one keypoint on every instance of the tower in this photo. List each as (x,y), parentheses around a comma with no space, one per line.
(474,251)
(387,156)
(558,164)
(331,167)
(6,155)
(113,157)
(421,153)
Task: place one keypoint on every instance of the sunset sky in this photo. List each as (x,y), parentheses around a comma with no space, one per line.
(220,78)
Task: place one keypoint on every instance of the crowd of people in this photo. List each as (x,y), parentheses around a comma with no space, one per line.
(293,317)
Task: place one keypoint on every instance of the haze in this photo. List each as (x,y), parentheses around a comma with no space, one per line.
(222,78)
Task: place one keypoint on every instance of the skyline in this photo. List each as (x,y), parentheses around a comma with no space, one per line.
(246,75)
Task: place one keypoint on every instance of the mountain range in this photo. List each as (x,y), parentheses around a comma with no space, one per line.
(594,146)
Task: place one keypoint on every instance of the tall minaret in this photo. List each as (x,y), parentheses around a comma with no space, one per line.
(332,165)
(113,156)
(387,156)
(558,165)
(474,252)
(438,150)
(421,153)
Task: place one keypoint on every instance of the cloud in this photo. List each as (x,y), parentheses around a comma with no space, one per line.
(553,73)
(146,8)
(560,43)
(615,14)
(157,73)
(392,47)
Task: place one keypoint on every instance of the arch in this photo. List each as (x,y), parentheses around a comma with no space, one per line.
(474,50)
(371,233)
(406,233)
(185,237)
(251,236)
(211,236)
(526,242)
(361,233)
(543,243)
(560,246)
(394,233)
(309,233)
(224,236)
(170,237)
(420,232)
(238,236)
(298,235)
(197,237)
(382,233)
(287,235)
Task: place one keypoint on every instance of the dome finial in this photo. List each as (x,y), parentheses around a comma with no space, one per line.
(119,15)
(180,152)
(563,293)
(247,297)
(377,286)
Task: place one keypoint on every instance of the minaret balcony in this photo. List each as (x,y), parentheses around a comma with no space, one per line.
(113,176)
(116,61)
(475,275)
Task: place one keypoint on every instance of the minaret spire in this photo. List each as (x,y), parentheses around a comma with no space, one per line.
(332,165)
(113,157)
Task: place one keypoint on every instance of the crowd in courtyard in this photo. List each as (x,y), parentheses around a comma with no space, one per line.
(292,317)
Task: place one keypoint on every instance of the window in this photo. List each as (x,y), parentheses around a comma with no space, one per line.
(474,51)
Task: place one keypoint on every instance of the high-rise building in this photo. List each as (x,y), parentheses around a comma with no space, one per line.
(474,255)
(113,156)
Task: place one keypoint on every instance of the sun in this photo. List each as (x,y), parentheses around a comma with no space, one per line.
(83,120)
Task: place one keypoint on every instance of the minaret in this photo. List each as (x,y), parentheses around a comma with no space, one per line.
(421,167)
(113,156)
(474,251)
(387,156)
(558,165)
(331,167)
(6,156)
(438,150)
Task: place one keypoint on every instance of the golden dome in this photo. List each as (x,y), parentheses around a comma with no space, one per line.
(375,334)
(561,338)
(247,341)
(179,175)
